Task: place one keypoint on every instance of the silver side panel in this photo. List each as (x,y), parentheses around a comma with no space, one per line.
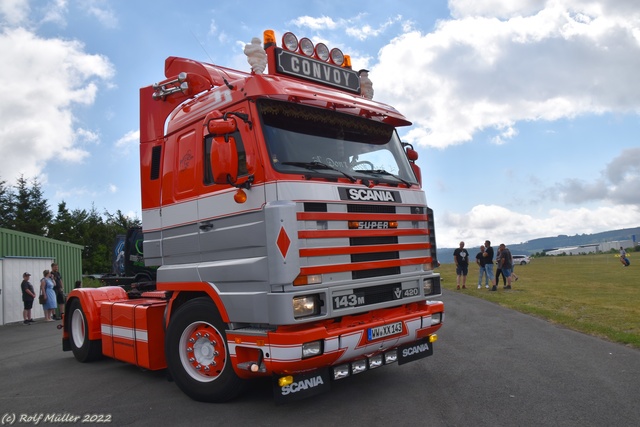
(282,235)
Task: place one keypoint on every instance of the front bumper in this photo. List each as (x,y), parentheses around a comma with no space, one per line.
(349,345)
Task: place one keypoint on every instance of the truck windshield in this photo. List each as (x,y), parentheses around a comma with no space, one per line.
(327,143)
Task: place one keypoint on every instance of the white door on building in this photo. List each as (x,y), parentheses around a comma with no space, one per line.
(11,271)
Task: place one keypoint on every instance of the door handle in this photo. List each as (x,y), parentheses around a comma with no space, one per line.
(206,227)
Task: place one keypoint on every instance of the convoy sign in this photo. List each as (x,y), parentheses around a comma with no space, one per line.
(325,73)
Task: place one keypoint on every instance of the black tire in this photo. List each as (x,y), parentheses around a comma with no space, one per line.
(84,349)
(205,375)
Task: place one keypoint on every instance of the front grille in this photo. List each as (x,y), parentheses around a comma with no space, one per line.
(374,240)
(329,244)
(374,256)
(371,209)
(375,272)
(315,207)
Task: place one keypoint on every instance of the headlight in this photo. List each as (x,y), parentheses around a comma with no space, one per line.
(427,285)
(310,349)
(436,318)
(304,306)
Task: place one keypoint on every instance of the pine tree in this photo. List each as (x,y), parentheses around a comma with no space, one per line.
(64,227)
(7,202)
(32,215)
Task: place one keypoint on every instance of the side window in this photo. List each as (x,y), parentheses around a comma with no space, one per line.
(242,157)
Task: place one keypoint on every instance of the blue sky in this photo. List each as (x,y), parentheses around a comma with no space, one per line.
(525,114)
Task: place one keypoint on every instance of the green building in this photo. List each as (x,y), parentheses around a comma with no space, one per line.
(22,252)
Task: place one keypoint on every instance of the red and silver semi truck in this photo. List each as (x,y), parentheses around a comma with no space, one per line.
(288,226)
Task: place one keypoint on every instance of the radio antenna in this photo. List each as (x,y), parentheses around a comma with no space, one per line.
(230,86)
(202,46)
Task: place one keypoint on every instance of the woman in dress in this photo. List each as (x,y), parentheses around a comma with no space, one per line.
(46,288)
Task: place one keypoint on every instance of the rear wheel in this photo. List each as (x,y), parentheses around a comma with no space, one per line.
(197,353)
(84,349)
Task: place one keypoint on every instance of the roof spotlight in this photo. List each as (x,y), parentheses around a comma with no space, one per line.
(306,46)
(336,55)
(290,42)
(322,51)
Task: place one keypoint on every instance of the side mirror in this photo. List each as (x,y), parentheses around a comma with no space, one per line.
(224,160)
(224,153)
(412,155)
(220,125)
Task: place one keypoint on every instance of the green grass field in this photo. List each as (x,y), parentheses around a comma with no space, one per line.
(593,294)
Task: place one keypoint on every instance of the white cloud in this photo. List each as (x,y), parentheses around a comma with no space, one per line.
(539,61)
(55,12)
(14,12)
(615,189)
(86,136)
(44,81)
(102,11)
(617,184)
(315,24)
(364,31)
(501,8)
(501,225)
(128,141)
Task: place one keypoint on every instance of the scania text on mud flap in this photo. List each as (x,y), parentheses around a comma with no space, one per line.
(286,225)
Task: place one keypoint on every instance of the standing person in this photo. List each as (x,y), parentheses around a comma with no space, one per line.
(59,289)
(488,266)
(514,277)
(480,260)
(78,284)
(46,288)
(28,295)
(461,258)
(506,262)
(499,270)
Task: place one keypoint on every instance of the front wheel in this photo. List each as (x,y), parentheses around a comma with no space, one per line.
(84,349)
(197,353)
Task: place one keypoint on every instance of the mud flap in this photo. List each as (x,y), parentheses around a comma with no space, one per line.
(414,351)
(303,385)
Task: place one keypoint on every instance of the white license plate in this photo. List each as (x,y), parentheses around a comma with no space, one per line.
(385,331)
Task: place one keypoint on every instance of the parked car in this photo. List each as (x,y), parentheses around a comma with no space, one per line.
(521,259)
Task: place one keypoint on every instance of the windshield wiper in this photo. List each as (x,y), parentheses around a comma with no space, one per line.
(319,166)
(384,172)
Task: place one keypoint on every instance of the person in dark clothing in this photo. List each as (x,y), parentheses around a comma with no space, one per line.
(488,266)
(480,260)
(59,289)
(506,264)
(28,295)
(499,270)
(461,258)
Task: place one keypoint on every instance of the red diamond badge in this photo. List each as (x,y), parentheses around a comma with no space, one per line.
(283,242)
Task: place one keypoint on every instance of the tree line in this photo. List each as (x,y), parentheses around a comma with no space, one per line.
(24,208)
